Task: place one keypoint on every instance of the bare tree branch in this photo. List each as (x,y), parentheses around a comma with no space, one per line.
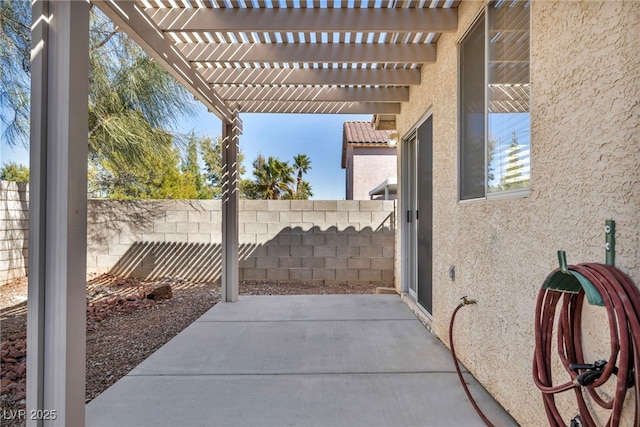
(104,41)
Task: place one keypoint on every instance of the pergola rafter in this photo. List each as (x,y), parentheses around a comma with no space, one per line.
(436,20)
(318,94)
(313,107)
(312,76)
(309,52)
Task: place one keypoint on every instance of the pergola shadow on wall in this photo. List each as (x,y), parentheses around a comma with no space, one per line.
(292,255)
(235,57)
(319,241)
(14,230)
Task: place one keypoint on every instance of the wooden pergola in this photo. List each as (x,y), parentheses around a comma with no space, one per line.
(235,56)
(260,56)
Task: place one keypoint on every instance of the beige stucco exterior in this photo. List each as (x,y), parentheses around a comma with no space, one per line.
(367,167)
(585,156)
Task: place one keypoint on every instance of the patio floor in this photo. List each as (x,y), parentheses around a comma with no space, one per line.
(317,360)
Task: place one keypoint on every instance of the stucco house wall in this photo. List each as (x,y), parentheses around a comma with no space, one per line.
(585,157)
(371,166)
(348,190)
(367,158)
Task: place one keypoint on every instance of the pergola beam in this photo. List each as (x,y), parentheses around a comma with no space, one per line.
(318,94)
(312,107)
(312,76)
(310,52)
(425,20)
(130,18)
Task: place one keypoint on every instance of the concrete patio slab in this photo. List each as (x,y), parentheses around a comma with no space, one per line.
(297,361)
(299,347)
(313,307)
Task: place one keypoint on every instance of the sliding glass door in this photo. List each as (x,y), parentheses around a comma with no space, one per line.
(417,206)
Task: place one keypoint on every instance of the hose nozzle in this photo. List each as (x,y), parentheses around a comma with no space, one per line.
(466,301)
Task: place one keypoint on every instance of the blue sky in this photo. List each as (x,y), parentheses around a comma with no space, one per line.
(282,135)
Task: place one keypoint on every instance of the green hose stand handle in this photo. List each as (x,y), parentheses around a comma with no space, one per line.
(567,280)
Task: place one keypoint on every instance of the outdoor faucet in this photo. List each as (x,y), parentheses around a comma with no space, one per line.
(466,301)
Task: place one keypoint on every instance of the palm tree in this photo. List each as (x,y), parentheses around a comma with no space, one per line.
(273,179)
(301,164)
(304,191)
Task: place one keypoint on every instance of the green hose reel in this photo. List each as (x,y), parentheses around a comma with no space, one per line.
(566,280)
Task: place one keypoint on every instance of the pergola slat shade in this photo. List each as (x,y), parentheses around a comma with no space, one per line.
(324,93)
(305,52)
(424,20)
(297,76)
(311,107)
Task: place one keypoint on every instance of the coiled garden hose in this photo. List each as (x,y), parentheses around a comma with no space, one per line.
(464,302)
(621,299)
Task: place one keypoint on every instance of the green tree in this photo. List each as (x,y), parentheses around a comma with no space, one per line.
(273,179)
(512,176)
(303,192)
(248,187)
(249,190)
(212,156)
(133,102)
(191,168)
(14,172)
(259,162)
(15,67)
(159,178)
(302,164)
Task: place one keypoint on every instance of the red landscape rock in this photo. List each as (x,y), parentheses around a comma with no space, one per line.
(160,292)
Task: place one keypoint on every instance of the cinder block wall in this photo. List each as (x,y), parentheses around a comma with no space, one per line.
(280,240)
(14,216)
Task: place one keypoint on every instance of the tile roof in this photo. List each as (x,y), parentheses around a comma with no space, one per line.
(362,133)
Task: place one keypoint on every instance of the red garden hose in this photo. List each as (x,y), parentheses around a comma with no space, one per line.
(621,299)
(464,302)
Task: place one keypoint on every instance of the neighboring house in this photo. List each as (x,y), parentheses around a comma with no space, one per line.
(386,190)
(369,160)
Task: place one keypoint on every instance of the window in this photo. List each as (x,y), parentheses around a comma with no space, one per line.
(494,108)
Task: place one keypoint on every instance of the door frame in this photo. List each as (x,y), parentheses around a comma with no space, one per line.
(408,199)
(409,249)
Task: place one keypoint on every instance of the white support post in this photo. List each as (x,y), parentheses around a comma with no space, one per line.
(230,201)
(58,214)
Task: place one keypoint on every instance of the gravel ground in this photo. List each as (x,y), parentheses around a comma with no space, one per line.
(123,327)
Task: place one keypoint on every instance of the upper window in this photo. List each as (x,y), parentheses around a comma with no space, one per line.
(494,110)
